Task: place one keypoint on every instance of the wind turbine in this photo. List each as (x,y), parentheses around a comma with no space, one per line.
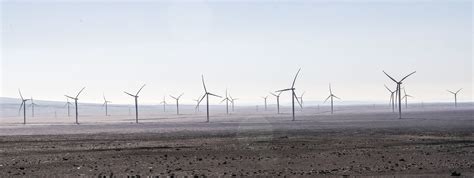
(67,104)
(392,99)
(75,103)
(399,83)
(405,96)
(265,99)
(293,94)
(232,101)
(33,104)
(23,104)
(455,97)
(197,104)
(106,102)
(136,102)
(332,96)
(177,102)
(278,101)
(206,95)
(164,103)
(226,99)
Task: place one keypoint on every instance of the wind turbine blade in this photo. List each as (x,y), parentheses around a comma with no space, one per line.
(203,84)
(215,95)
(21,96)
(203,96)
(298,100)
(180,95)
(80,92)
(129,94)
(70,97)
(303,94)
(22,104)
(388,89)
(389,76)
(336,97)
(273,94)
(458,91)
(223,100)
(283,90)
(140,89)
(173,97)
(330,89)
(104,104)
(407,76)
(451,92)
(294,80)
(327,98)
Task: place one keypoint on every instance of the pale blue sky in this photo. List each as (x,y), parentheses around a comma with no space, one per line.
(52,48)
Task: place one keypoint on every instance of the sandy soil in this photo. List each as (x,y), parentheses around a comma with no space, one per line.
(434,143)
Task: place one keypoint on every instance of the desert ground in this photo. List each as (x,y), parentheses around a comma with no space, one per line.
(429,142)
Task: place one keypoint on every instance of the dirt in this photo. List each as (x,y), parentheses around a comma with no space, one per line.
(379,151)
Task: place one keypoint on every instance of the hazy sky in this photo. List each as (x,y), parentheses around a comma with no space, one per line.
(52,48)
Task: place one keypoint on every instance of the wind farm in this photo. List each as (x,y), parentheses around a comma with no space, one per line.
(286,89)
(253,130)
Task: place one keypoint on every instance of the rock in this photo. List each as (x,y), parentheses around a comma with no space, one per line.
(455,173)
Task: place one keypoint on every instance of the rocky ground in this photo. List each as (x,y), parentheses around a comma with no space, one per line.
(277,153)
